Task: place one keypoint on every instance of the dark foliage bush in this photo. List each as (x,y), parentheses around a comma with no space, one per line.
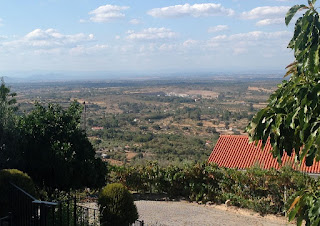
(56,152)
(264,191)
(200,124)
(18,178)
(117,206)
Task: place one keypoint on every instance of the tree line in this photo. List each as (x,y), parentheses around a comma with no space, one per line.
(48,144)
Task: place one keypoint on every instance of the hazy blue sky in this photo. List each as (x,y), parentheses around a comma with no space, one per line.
(144,35)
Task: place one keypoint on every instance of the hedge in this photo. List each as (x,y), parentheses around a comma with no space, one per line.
(264,191)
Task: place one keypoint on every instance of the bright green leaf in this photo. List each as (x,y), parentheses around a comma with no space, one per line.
(292,11)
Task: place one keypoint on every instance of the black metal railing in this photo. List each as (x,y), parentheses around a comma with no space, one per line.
(6,221)
(25,209)
(28,211)
(88,215)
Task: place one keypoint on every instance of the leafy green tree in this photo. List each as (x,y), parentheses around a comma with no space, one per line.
(8,132)
(7,101)
(292,117)
(56,152)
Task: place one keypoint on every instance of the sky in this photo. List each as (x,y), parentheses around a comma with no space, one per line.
(138,36)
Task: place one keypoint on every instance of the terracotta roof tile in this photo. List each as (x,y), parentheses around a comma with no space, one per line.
(235,151)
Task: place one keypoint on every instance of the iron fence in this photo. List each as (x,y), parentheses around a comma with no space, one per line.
(28,211)
(88,215)
(6,221)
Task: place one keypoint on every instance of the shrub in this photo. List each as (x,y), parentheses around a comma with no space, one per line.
(156,127)
(264,191)
(17,177)
(144,128)
(117,206)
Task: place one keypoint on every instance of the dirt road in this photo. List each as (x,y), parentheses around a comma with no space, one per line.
(184,213)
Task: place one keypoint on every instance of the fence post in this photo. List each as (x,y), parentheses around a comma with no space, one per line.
(285,199)
(68,206)
(42,214)
(94,217)
(75,211)
(60,213)
(10,219)
(53,216)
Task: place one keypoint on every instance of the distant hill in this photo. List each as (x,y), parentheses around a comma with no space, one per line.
(25,77)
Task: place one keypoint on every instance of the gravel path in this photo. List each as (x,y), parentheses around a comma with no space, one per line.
(184,213)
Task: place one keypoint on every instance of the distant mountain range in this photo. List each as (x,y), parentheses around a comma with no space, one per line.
(26,77)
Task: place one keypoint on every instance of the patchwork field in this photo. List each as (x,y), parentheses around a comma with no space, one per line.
(176,120)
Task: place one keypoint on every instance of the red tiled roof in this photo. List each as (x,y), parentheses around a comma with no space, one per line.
(235,151)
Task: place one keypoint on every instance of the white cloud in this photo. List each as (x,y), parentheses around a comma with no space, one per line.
(259,35)
(135,21)
(82,50)
(266,22)
(222,48)
(190,43)
(107,13)
(166,47)
(265,12)
(196,10)
(219,38)
(49,38)
(3,37)
(151,34)
(218,28)
(258,41)
(53,51)
(239,51)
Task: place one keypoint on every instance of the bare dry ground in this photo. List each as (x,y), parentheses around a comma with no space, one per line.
(260,89)
(184,213)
